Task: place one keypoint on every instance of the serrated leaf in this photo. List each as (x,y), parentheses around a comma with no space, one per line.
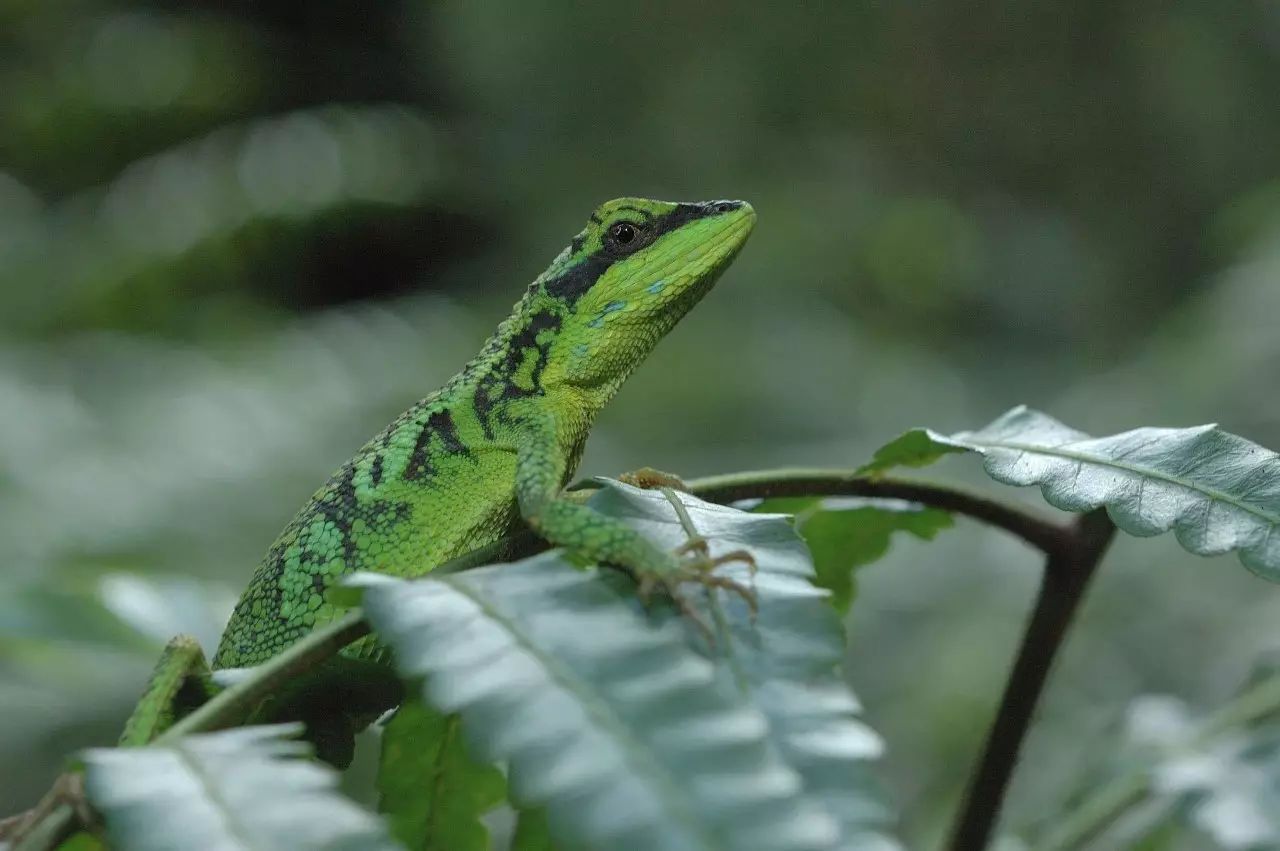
(432,792)
(617,729)
(1216,491)
(249,788)
(786,659)
(842,540)
(624,734)
(918,447)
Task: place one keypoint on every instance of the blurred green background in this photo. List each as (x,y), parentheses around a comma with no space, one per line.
(237,237)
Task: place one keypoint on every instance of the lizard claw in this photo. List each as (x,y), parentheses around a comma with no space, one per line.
(699,570)
(697,545)
(647,478)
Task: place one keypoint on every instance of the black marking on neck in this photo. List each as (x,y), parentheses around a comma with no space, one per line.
(527,340)
(499,384)
(439,425)
(339,507)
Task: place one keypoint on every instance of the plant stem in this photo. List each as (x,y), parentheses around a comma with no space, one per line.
(234,703)
(1038,531)
(1068,570)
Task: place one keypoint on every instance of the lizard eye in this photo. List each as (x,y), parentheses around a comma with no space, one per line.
(622,233)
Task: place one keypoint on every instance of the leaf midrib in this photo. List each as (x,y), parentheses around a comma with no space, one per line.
(1211,493)
(600,709)
(218,803)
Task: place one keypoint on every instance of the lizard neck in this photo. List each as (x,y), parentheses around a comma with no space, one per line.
(510,375)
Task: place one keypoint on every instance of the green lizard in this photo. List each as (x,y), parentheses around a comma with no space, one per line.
(490,450)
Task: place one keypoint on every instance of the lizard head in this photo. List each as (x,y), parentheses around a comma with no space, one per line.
(630,275)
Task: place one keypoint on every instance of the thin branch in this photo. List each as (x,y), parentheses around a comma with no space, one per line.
(48,830)
(1038,531)
(1068,570)
(233,704)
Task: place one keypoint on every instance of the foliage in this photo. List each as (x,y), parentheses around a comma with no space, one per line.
(845,534)
(707,725)
(432,792)
(623,731)
(1217,491)
(1172,772)
(235,239)
(241,789)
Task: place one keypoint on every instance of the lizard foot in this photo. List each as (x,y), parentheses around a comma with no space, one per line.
(698,570)
(648,478)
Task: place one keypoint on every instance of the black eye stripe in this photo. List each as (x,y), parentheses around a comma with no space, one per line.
(572,283)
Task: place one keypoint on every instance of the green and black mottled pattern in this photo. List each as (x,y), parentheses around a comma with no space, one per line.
(495,445)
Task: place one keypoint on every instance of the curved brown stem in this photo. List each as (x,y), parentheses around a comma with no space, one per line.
(1067,573)
(1038,531)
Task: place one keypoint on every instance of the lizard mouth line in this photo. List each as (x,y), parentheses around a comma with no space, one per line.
(712,251)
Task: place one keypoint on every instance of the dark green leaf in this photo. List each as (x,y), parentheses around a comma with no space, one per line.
(532,833)
(433,793)
(844,539)
(249,788)
(918,447)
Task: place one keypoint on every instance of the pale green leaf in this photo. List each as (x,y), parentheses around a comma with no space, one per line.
(619,727)
(1218,774)
(248,789)
(786,659)
(1216,491)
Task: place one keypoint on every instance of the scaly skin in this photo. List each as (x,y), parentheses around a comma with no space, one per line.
(495,445)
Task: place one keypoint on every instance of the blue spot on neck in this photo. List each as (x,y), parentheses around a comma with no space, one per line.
(657,287)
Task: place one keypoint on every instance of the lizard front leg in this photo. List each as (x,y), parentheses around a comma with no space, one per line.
(540,470)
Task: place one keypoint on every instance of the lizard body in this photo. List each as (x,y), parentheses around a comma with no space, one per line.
(495,445)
